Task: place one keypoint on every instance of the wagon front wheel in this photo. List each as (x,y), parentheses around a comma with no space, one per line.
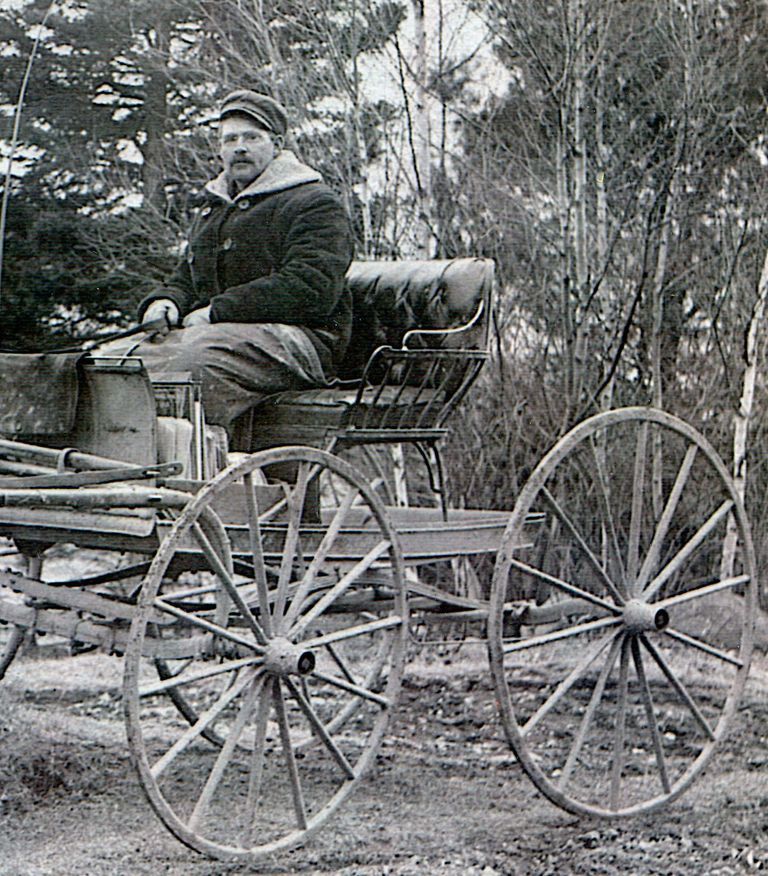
(621,621)
(287,643)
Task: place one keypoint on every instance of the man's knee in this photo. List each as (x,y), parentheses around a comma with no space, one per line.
(190,350)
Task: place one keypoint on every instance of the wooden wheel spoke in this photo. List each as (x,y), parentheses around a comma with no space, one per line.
(319,558)
(583,546)
(662,527)
(589,714)
(704,647)
(295,508)
(257,552)
(297,794)
(374,626)
(678,687)
(636,514)
(559,635)
(165,671)
(356,689)
(567,683)
(225,755)
(688,548)
(319,729)
(179,680)
(341,586)
(273,510)
(256,766)
(619,739)
(645,692)
(702,592)
(216,629)
(560,584)
(188,593)
(609,522)
(338,660)
(199,727)
(299,572)
(304,687)
(228,583)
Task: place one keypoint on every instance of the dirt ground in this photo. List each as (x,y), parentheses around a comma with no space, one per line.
(446,797)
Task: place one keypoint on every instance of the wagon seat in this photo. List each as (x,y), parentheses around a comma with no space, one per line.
(419,338)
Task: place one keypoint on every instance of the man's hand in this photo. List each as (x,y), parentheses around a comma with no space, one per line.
(201,316)
(162,307)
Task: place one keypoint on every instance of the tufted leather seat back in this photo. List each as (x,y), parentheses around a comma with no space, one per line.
(392,298)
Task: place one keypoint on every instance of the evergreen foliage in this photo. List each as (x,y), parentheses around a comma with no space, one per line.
(117,140)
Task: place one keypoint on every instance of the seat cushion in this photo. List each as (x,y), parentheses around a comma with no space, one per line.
(314,416)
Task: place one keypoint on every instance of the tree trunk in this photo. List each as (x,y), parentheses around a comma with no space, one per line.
(422,137)
(657,328)
(744,413)
(156,112)
(579,200)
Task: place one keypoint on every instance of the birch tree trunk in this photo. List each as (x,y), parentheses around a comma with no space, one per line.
(579,201)
(601,197)
(421,126)
(364,188)
(657,327)
(743,414)
(571,180)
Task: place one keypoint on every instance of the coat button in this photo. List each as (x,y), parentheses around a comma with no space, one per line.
(227,245)
(244,204)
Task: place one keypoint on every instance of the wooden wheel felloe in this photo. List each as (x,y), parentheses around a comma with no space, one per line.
(288,647)
(9,647)
(617,682)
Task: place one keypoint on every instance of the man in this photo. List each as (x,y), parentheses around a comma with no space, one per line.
(260,296)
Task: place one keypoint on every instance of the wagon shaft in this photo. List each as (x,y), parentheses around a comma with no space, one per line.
(84,617)
(68,480)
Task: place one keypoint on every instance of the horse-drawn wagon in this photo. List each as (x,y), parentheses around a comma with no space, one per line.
(262,599)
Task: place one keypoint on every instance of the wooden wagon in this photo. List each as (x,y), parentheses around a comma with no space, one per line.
(263,601)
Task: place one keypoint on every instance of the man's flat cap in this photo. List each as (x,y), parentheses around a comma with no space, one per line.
(267,112)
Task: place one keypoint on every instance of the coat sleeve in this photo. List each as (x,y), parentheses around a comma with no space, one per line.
(178,289)
(307,285)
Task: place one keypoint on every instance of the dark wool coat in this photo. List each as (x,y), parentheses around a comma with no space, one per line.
(277,252)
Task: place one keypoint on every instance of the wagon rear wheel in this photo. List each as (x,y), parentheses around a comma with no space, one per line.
(288,646)
(617,682)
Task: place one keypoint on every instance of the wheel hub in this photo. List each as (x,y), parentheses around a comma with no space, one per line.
(282,657)
(640,617)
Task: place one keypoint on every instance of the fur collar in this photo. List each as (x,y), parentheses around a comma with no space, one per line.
(285,171)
